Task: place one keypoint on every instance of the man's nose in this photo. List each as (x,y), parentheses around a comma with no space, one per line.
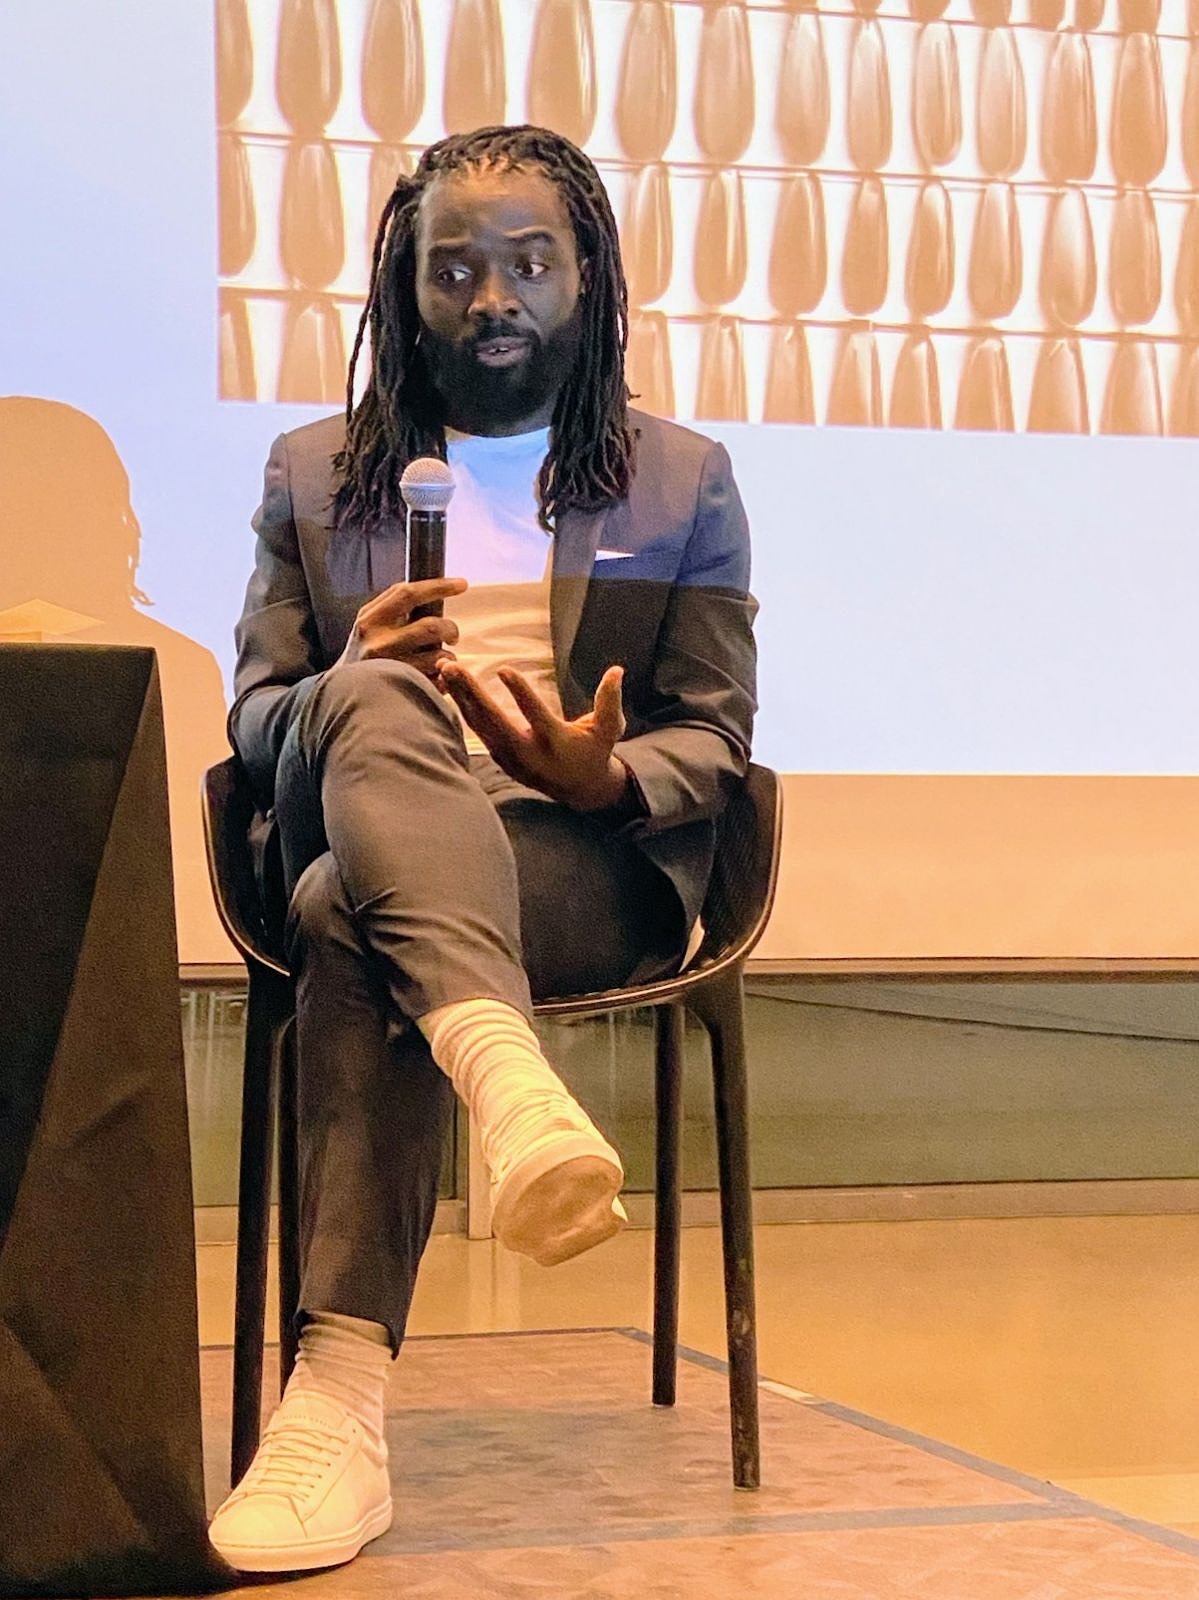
(494,295)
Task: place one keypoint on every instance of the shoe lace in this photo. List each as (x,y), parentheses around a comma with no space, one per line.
(295,1456)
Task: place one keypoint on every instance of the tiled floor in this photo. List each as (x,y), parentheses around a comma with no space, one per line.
(1060,1347)
(532,1464)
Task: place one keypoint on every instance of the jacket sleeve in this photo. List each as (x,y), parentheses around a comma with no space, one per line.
(278,653)
(695,740)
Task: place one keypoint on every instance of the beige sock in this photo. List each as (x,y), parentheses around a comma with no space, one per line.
(493,1058)
(347,1359)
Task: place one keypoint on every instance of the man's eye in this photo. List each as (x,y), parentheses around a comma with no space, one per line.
(448,276)
(531,269)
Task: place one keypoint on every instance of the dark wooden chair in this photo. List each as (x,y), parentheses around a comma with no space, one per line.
(734,915)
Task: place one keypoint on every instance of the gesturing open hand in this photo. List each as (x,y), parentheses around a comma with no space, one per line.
(569,761)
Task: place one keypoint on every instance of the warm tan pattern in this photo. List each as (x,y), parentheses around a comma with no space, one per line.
(924,213)
(532,1464)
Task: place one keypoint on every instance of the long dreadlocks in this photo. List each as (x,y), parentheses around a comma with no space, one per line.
(589,463)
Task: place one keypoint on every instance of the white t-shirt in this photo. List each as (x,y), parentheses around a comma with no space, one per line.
(495,542)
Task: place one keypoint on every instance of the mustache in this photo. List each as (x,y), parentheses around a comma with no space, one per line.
(495,329)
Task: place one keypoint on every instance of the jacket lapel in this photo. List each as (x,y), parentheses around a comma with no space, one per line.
(576,540)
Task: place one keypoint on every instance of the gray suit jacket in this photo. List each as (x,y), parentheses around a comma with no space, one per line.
(657,583)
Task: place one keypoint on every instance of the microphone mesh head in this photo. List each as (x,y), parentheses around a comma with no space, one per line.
(427,484)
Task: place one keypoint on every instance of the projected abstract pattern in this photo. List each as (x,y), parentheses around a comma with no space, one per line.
(969,214)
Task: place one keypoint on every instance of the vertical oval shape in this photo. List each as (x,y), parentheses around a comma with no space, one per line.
(312,362)
(869,113)
(1068,260)
(789,396)
(648,366)
(1132,400)
(1058,402)
(1186,273)
(1138,111)
(927,10)
(308,65)
(724,85)
(916,387)
(720,251)
(1184,400)
(475,91)
(802,111)
(985,388)
(648,245)
(799,249)
(234,61)
(1139,16)
(1189,126)
(1134,258)
(1069,132)
(237,378)
(928,279)
(936,95)
(393,68)
(721,395)
(856,397)
(648,89)
(996,254)
(235,211)
(1088,15)
(865,263)
(991,13)
(1046,14)
(562,69)
(1001,110)
(388,161)
(311,227)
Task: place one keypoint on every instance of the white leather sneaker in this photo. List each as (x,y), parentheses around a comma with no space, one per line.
(315,1493)
(555,1179)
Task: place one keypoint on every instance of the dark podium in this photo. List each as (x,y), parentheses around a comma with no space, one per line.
(101,1487)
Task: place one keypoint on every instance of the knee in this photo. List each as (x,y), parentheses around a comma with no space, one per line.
(369,685)
(319,909)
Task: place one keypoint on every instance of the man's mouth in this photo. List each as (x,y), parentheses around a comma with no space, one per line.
(501,352)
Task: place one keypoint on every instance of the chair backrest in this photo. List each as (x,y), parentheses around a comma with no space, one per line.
(744,873)
(228,808)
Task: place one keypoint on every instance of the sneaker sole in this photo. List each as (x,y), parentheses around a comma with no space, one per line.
(309,1557)
(560,1203)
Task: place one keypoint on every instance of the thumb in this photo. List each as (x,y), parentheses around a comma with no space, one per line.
(608,710)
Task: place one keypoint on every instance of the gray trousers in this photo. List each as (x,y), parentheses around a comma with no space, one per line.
(418,875)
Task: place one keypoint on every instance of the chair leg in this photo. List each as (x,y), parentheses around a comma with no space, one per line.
(289,1208)
(721,1008)
(265,1007)
(668,1088)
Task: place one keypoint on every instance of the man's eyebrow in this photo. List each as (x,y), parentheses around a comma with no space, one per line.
(518,236)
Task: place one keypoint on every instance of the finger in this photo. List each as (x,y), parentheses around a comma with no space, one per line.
(538,715)
(396,603)
(482,712)
(608,709)
(426,632)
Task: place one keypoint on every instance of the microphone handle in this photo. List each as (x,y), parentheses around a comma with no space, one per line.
(426,554)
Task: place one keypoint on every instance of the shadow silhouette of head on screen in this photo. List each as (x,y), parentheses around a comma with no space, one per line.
(69,537)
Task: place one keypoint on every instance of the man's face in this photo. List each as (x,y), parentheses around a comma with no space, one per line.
(498,281)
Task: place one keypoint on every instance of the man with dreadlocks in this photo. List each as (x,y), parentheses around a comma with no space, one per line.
(517,797)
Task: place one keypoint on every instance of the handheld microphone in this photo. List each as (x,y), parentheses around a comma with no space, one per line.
(426,488)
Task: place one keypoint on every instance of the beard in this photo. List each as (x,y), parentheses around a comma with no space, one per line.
(477,397)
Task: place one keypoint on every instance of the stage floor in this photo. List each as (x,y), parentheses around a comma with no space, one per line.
(546,1472)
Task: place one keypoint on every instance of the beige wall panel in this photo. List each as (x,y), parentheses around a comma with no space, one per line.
(987,867)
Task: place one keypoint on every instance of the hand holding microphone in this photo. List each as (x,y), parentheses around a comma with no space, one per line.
(405,622)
